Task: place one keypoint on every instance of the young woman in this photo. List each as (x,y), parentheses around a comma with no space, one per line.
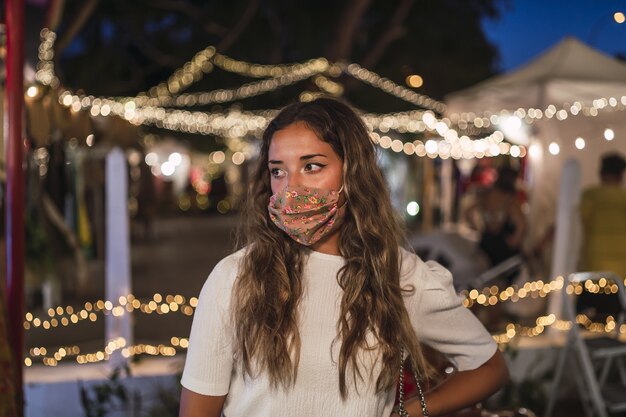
(310,316)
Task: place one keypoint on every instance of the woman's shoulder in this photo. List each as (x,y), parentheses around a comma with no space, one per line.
(231,261)
(423,275)
(226,270)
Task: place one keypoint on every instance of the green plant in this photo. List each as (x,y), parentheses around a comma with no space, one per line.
(168,402)
(101,399)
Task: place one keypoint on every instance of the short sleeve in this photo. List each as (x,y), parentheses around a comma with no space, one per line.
(442,322)
(209,361)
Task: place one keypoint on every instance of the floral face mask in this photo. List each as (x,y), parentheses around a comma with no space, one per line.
(306,214)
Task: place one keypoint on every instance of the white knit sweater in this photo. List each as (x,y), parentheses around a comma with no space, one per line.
(436,312)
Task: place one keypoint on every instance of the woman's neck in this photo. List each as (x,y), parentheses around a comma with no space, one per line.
(328,245)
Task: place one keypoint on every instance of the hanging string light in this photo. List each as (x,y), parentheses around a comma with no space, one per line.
(530,115)
(45,67)
(297,73)
(488,296)
(450,144)
(73,352)
(68,316)
(185,76)
(384,84)
(193,69)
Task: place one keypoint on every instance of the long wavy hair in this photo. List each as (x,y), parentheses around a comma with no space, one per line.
(269,287)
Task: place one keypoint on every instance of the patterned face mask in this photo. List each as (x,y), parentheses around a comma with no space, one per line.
(306,214)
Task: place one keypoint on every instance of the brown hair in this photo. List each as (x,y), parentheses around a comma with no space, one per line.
(269,286)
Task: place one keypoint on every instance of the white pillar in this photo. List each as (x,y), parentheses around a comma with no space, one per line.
(567,236)
(117,256)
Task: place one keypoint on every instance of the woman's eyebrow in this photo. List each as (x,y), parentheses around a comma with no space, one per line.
(305,157)
(302,158)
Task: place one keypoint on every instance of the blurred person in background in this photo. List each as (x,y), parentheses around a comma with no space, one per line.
(497,214)
(603,215)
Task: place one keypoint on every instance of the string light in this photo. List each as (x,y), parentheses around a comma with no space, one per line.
(189,73)
(138,110)
(375,80)
(252,69)
(328,86)
(297,73)
(45,67)
(68,316)
(488,296)
(530,115)
(73,352)
(239,124)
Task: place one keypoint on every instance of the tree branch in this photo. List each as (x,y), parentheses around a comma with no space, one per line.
(234,34)
(180,6)
(77,24)
(54,14)
(345,29)
(56,218)
(150,50)
(393,32)
(276,25)
(216,29)
(191,11)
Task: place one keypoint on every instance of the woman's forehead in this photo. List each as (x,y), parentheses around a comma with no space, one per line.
(297,139)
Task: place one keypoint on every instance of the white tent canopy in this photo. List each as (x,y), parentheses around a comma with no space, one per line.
(568,72)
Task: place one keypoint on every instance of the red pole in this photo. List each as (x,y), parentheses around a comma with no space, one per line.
(14,140)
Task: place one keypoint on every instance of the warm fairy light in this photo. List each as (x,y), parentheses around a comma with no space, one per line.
(331,87)
(394,89)
(45,68)
(554,148)
(298,73)
(144,109)
(609,134)
(619,17)
(488,296)
(580,143)
(69,352)
(414,81)
(32,91)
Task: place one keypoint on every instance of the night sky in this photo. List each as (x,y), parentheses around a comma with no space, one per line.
(528,27)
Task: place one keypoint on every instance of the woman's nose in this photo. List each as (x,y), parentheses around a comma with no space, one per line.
(293,180)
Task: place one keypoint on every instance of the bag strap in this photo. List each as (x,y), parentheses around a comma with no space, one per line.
(401,409)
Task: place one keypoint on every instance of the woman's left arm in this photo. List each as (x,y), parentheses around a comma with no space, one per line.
(464,388)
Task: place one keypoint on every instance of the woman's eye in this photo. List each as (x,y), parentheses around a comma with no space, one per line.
(313,167)
(276,172)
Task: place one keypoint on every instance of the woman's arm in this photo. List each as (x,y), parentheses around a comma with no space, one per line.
(193,404)
(464,388)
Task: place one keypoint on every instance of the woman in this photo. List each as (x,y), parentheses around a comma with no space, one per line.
(501,220)
(310,316)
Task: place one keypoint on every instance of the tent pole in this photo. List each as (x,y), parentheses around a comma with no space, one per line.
(14,142)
